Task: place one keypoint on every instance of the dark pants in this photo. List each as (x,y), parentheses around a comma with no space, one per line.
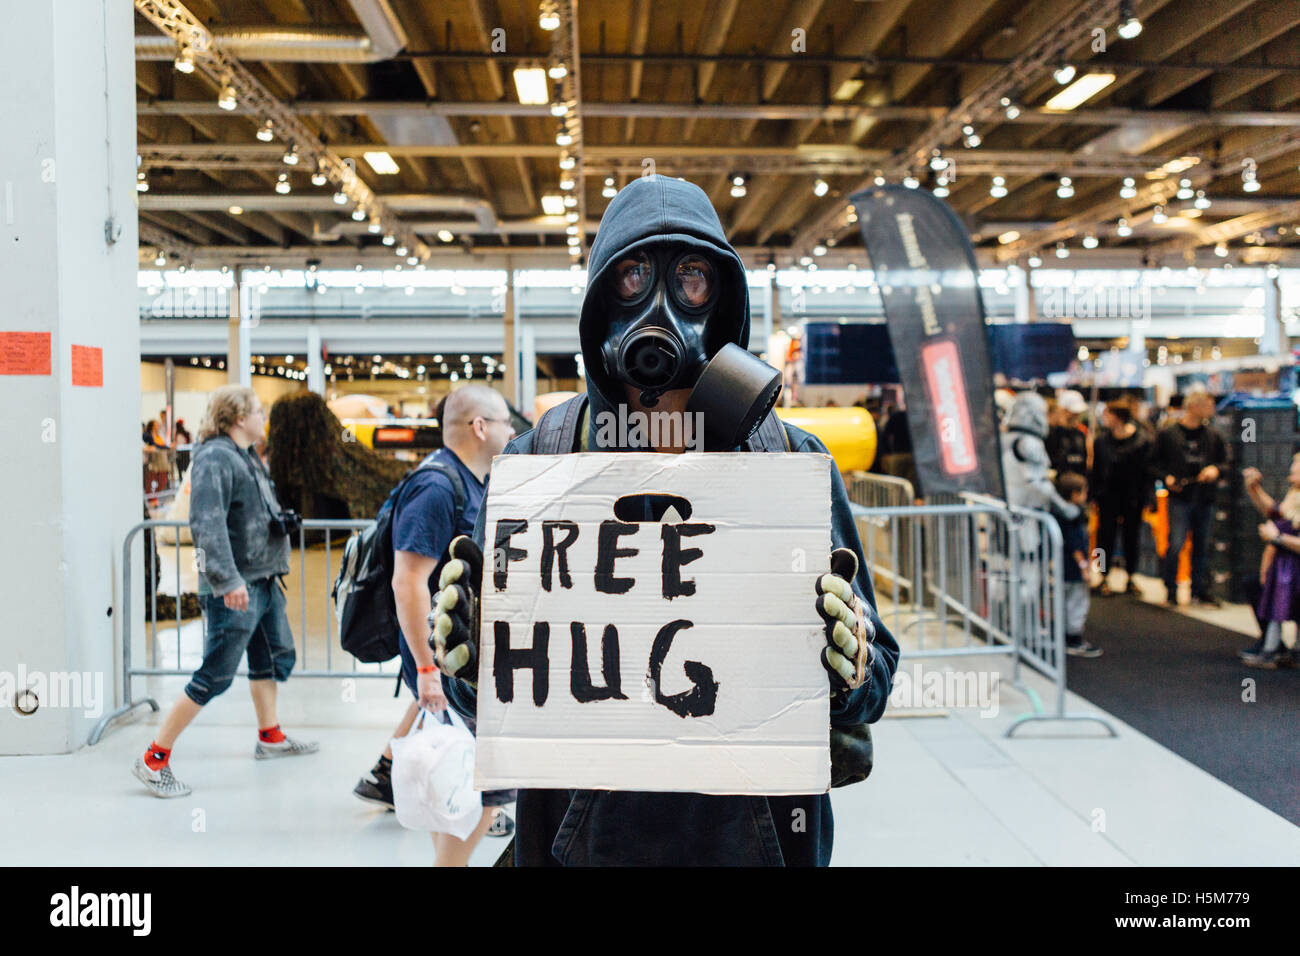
(1110,515)
(1194,517)
(262,632)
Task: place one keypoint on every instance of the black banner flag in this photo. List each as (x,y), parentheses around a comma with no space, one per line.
(925,268)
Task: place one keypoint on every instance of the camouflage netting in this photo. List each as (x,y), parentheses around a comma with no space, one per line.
(316,472)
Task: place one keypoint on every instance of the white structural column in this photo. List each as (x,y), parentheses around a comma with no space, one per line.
(238,349)
(1026,307)
(69,364)
(1273,341)
(527,370)
(512,382)
(315,364)
(763,334)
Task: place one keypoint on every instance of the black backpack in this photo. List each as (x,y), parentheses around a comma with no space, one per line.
(363,591)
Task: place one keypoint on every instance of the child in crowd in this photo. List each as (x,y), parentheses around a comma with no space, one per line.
(1280,598)
(1074,535)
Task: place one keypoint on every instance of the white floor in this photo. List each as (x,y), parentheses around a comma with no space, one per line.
(948,789)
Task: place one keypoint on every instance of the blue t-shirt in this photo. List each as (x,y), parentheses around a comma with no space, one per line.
(424,515)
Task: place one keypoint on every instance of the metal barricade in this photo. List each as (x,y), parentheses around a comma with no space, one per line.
(990,583)
(867,490)
(174,648)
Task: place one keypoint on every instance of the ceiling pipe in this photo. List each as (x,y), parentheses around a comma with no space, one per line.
(484,215)
(381,38)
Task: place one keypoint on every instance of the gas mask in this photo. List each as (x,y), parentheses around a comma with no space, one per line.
(661,302)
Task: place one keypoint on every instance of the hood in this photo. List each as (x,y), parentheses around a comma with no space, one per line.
(1028,413)
(649,210)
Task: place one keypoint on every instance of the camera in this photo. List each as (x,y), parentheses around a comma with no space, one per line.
(285,523)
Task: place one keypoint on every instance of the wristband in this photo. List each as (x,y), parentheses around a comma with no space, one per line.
(431,669)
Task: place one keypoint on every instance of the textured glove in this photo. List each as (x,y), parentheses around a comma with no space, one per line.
(849,632)
(454,620)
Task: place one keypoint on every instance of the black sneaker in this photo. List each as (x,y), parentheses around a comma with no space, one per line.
(1253,651)
(1264,660)
(1083,649)
(502,826)
(377,787)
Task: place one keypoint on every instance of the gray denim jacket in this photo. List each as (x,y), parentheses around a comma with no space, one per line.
(230,510)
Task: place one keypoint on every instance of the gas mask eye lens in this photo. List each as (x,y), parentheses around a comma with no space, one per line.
(693,279)
(632,276)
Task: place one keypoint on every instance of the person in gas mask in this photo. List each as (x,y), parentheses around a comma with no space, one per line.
(663,328)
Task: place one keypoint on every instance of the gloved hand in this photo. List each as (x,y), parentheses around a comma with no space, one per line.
(454,620)
(849,631)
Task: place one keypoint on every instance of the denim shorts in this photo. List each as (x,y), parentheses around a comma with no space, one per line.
(262,631)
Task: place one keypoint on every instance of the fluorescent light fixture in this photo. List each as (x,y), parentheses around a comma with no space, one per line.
(1008,237)
(381,162)
(553,205)
(530,84)
(848,89)
(236,210)
(1080,91)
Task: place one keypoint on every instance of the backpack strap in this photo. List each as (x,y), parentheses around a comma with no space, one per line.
(557,429)
(770,436)
(457,484)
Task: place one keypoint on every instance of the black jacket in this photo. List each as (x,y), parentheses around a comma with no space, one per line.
(1123,472)
(1067,447)
(1182,452)
(584,827)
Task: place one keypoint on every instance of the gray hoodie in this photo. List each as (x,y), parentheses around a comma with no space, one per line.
(231,501)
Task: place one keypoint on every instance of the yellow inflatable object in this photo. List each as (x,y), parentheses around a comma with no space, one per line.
(849,434)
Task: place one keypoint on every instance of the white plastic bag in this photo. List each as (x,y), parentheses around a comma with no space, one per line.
(433,777)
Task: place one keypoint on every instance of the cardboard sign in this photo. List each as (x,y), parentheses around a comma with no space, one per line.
(24,353)
(88,366)
(622,653)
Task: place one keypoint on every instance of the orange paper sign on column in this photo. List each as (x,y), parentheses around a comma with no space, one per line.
(87,366)
(24,353)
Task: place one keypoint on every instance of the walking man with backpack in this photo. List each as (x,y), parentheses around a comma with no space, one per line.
(435,503)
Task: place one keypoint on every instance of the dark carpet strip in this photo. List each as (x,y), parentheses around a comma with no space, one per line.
(1178,680)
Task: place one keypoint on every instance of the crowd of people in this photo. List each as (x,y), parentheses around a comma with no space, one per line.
(1116,469)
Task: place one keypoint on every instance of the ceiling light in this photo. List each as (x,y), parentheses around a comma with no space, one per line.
(941,191)
(610,190)
(381,162)
(389,239)
(340,198)
(1008,237)
(282,185)
(530,85)
(1158,215)
(999,187)
(228,99)
(1090,241)
(1221,250)
(1064,73)
(1034,261)
(1185,190)
(737,185)
(559,109)
(1080,91)
(971,137)
(1249,177)
(184,61)
(819,250)
(291,156)
(567,161)
(1123,229)
(571,216)
(236,210)
(552,205)
(570,200)
(319,178)
(1066,189)
(911,182)
(1129,25)
(1202,201)
(548,17)
(557,70)
(937,162)
(162,256)
(374,227)
(266,132)
(572,240)
(879,180)
(445,235)
(1250,186)
(566,183)
(571,230)
(141,184)
(1061,251)
(1129,189)
(358,214)
(400,250)
(1010,108)
(563,137)
(821,188)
